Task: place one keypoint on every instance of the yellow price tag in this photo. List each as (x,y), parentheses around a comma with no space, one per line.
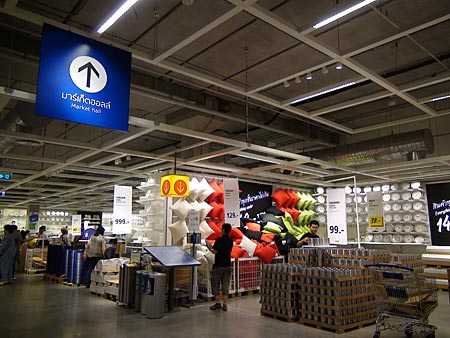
(376,221)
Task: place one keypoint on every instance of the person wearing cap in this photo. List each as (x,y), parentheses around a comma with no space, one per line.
(94,251)
(313,228)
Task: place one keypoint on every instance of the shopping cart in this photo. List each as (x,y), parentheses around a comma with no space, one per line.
(406,299)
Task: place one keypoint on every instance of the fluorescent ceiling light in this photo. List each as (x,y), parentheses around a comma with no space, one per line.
(343,13)
(116,16)
(326,91)
(440,98)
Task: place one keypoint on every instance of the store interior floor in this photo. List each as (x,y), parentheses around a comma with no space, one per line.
(34,307)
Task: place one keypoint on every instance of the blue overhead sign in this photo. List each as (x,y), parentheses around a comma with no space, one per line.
(5,176)
(82,80)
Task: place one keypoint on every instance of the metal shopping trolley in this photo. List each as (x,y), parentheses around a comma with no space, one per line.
(406,299)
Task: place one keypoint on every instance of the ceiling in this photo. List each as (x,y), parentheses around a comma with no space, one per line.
(212,86)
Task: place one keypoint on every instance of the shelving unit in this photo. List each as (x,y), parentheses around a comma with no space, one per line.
(54,220)
(8,215)
(437,261)
(410,213)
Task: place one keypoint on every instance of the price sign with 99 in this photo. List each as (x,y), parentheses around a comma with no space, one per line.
(232,215)
(120,221)
(334,229)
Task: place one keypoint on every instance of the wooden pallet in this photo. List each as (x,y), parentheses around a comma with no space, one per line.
(54,278)
(337,328)
(274,315)
(246,292)
(72,284)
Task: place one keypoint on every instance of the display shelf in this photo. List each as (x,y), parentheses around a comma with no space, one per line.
(144,186)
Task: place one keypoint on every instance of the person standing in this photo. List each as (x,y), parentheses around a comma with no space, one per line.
(17,241)
(222,268)
(313,228)
(7,255)
(95,250)
(64,238)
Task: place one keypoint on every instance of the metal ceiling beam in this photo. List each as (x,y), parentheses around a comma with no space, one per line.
(284,26)
(204,30)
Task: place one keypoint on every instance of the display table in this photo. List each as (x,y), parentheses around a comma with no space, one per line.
(171,257)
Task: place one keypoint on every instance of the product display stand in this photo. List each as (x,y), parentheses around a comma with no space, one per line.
(171,257)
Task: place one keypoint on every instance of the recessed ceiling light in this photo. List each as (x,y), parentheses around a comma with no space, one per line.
(309,76)
(339,66)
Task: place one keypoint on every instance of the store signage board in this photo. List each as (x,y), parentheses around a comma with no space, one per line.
(231,201)
(76,224)
(254,199)
(5,176)
(194,221)
(336,216)
(82,80)
(122,209)
(174,186)
(438,197)
(375,210)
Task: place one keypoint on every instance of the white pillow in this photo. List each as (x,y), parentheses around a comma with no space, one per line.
(248,245)
(178,230)
(205,209)
(205,229)
(206,190)
(210,258)
(196,206)
(181,208)
(157,204)
(194,189)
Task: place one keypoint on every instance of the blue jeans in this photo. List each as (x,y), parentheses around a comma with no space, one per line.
(89,265)
(6,266)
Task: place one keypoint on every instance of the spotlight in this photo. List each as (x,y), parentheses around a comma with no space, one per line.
(187,2)
(339,66)
(309,76)
(324,70)
(128,158)
(117,161)
(298,79)
(286,84)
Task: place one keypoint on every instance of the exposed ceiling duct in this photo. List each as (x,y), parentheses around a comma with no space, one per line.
(393,147)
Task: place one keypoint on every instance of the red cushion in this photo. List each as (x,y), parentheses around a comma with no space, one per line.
(245,254)
(265,253)
(293,198)
(235,234)
(213,197)
(280,197)
(253,226)
(217,231)
(294,213)
(221,187)
(217,211)
(237,251)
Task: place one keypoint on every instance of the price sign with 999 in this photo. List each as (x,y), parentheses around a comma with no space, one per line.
(120,221)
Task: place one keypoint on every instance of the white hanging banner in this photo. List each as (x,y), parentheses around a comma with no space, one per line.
(122,213)
(76,224)
(336,216)
(375,206)
(231,201)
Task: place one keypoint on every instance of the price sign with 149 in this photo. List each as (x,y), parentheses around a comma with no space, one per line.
(443,224)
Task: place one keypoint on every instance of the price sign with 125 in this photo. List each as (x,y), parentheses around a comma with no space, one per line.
(443,223)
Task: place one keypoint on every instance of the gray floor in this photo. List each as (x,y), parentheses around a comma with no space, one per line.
(32,307)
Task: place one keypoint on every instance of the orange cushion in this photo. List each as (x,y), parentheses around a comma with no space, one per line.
(293,198)
(237,251)
(213,197)
(217,211)
(253,226)
(267,237)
